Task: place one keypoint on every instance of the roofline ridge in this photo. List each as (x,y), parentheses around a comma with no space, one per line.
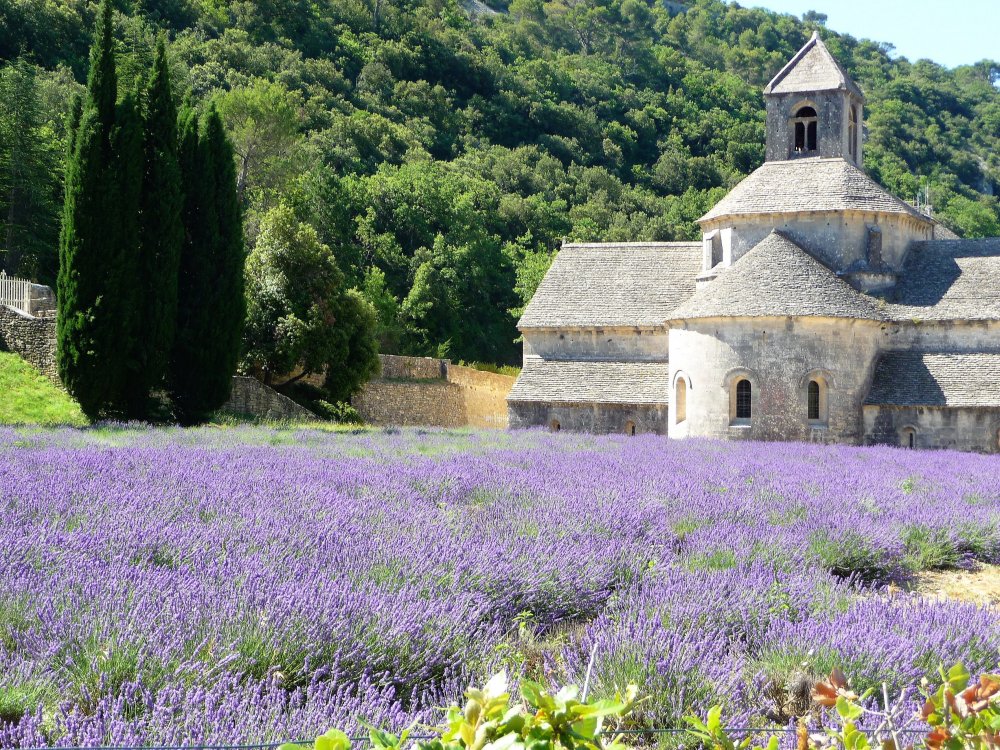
(780,75)
(815,41)
(632,244)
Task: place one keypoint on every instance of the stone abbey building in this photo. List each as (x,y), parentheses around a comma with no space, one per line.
(816,307)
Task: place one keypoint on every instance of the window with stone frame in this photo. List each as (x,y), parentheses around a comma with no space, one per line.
(813,407)
(744,399)
(680,400)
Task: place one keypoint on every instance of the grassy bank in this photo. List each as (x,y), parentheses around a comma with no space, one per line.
(28,397)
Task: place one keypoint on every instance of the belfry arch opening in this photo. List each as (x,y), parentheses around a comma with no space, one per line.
(805,127)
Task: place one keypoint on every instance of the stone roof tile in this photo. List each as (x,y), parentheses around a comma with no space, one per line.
(810,184)
(949,280)
(908,378)
(813,68)
(580,381)
(774,279)
(613,285)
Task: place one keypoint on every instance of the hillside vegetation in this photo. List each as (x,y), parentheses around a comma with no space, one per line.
(27,397)
(443,156)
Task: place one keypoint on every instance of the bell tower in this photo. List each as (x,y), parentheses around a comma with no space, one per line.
(814,108)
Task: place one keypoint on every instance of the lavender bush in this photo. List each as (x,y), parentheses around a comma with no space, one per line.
(253,584)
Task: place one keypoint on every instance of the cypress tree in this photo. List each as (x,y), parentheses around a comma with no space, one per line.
(211,308)
(161,233)
(90,353)
(230,262)
(126,278)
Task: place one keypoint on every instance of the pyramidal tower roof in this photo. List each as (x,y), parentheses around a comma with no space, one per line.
(813,68)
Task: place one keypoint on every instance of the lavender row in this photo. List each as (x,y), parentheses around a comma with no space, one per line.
(253,584)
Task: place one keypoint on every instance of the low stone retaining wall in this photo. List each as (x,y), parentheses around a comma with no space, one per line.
(250,396)
(33,339)
(422,391)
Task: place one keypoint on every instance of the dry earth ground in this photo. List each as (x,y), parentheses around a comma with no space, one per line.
(980,585)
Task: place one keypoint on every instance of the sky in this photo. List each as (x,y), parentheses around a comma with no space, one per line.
(949,32)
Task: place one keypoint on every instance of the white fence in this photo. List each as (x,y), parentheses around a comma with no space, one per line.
(15,292)
(30,299)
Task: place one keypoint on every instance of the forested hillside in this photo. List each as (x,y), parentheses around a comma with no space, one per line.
(443,155)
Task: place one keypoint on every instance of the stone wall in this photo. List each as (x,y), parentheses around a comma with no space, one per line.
(963,429)
(429,403)
(631,344)
(484,396)
(422,391)
(837,239)
(33,339)
(594,418)
(779,356)
(250,396)
(395,367)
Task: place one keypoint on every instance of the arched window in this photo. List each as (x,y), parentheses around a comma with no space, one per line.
(554,425)
(908,437)
(805,123)
(630,428)
(852,133)
(813,399)
(743,399)
(680,400)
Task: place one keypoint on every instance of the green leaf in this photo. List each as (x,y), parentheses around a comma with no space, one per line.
(496,686)
(848,711)
(382,740)
(532,692)
(333,740)
(958,677)
(697,724)
(714,719)
(568,693)
(605,707)
(506,742)
(587,727)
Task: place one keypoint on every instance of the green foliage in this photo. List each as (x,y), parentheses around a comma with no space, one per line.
(210,289)
(294,288)
(300,316)
(961,714)
(443,158)
(29,398)
(849,554)
(929,549)
(30,176)
(161,237)
(355,360)
(99,237)
(489,721)
(508,370)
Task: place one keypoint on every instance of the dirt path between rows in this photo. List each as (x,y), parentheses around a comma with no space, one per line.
(979,586)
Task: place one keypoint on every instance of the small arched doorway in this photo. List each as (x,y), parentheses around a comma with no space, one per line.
(908,437)
(554,425)
(630,428)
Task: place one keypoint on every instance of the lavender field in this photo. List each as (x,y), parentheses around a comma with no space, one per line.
(252,584)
